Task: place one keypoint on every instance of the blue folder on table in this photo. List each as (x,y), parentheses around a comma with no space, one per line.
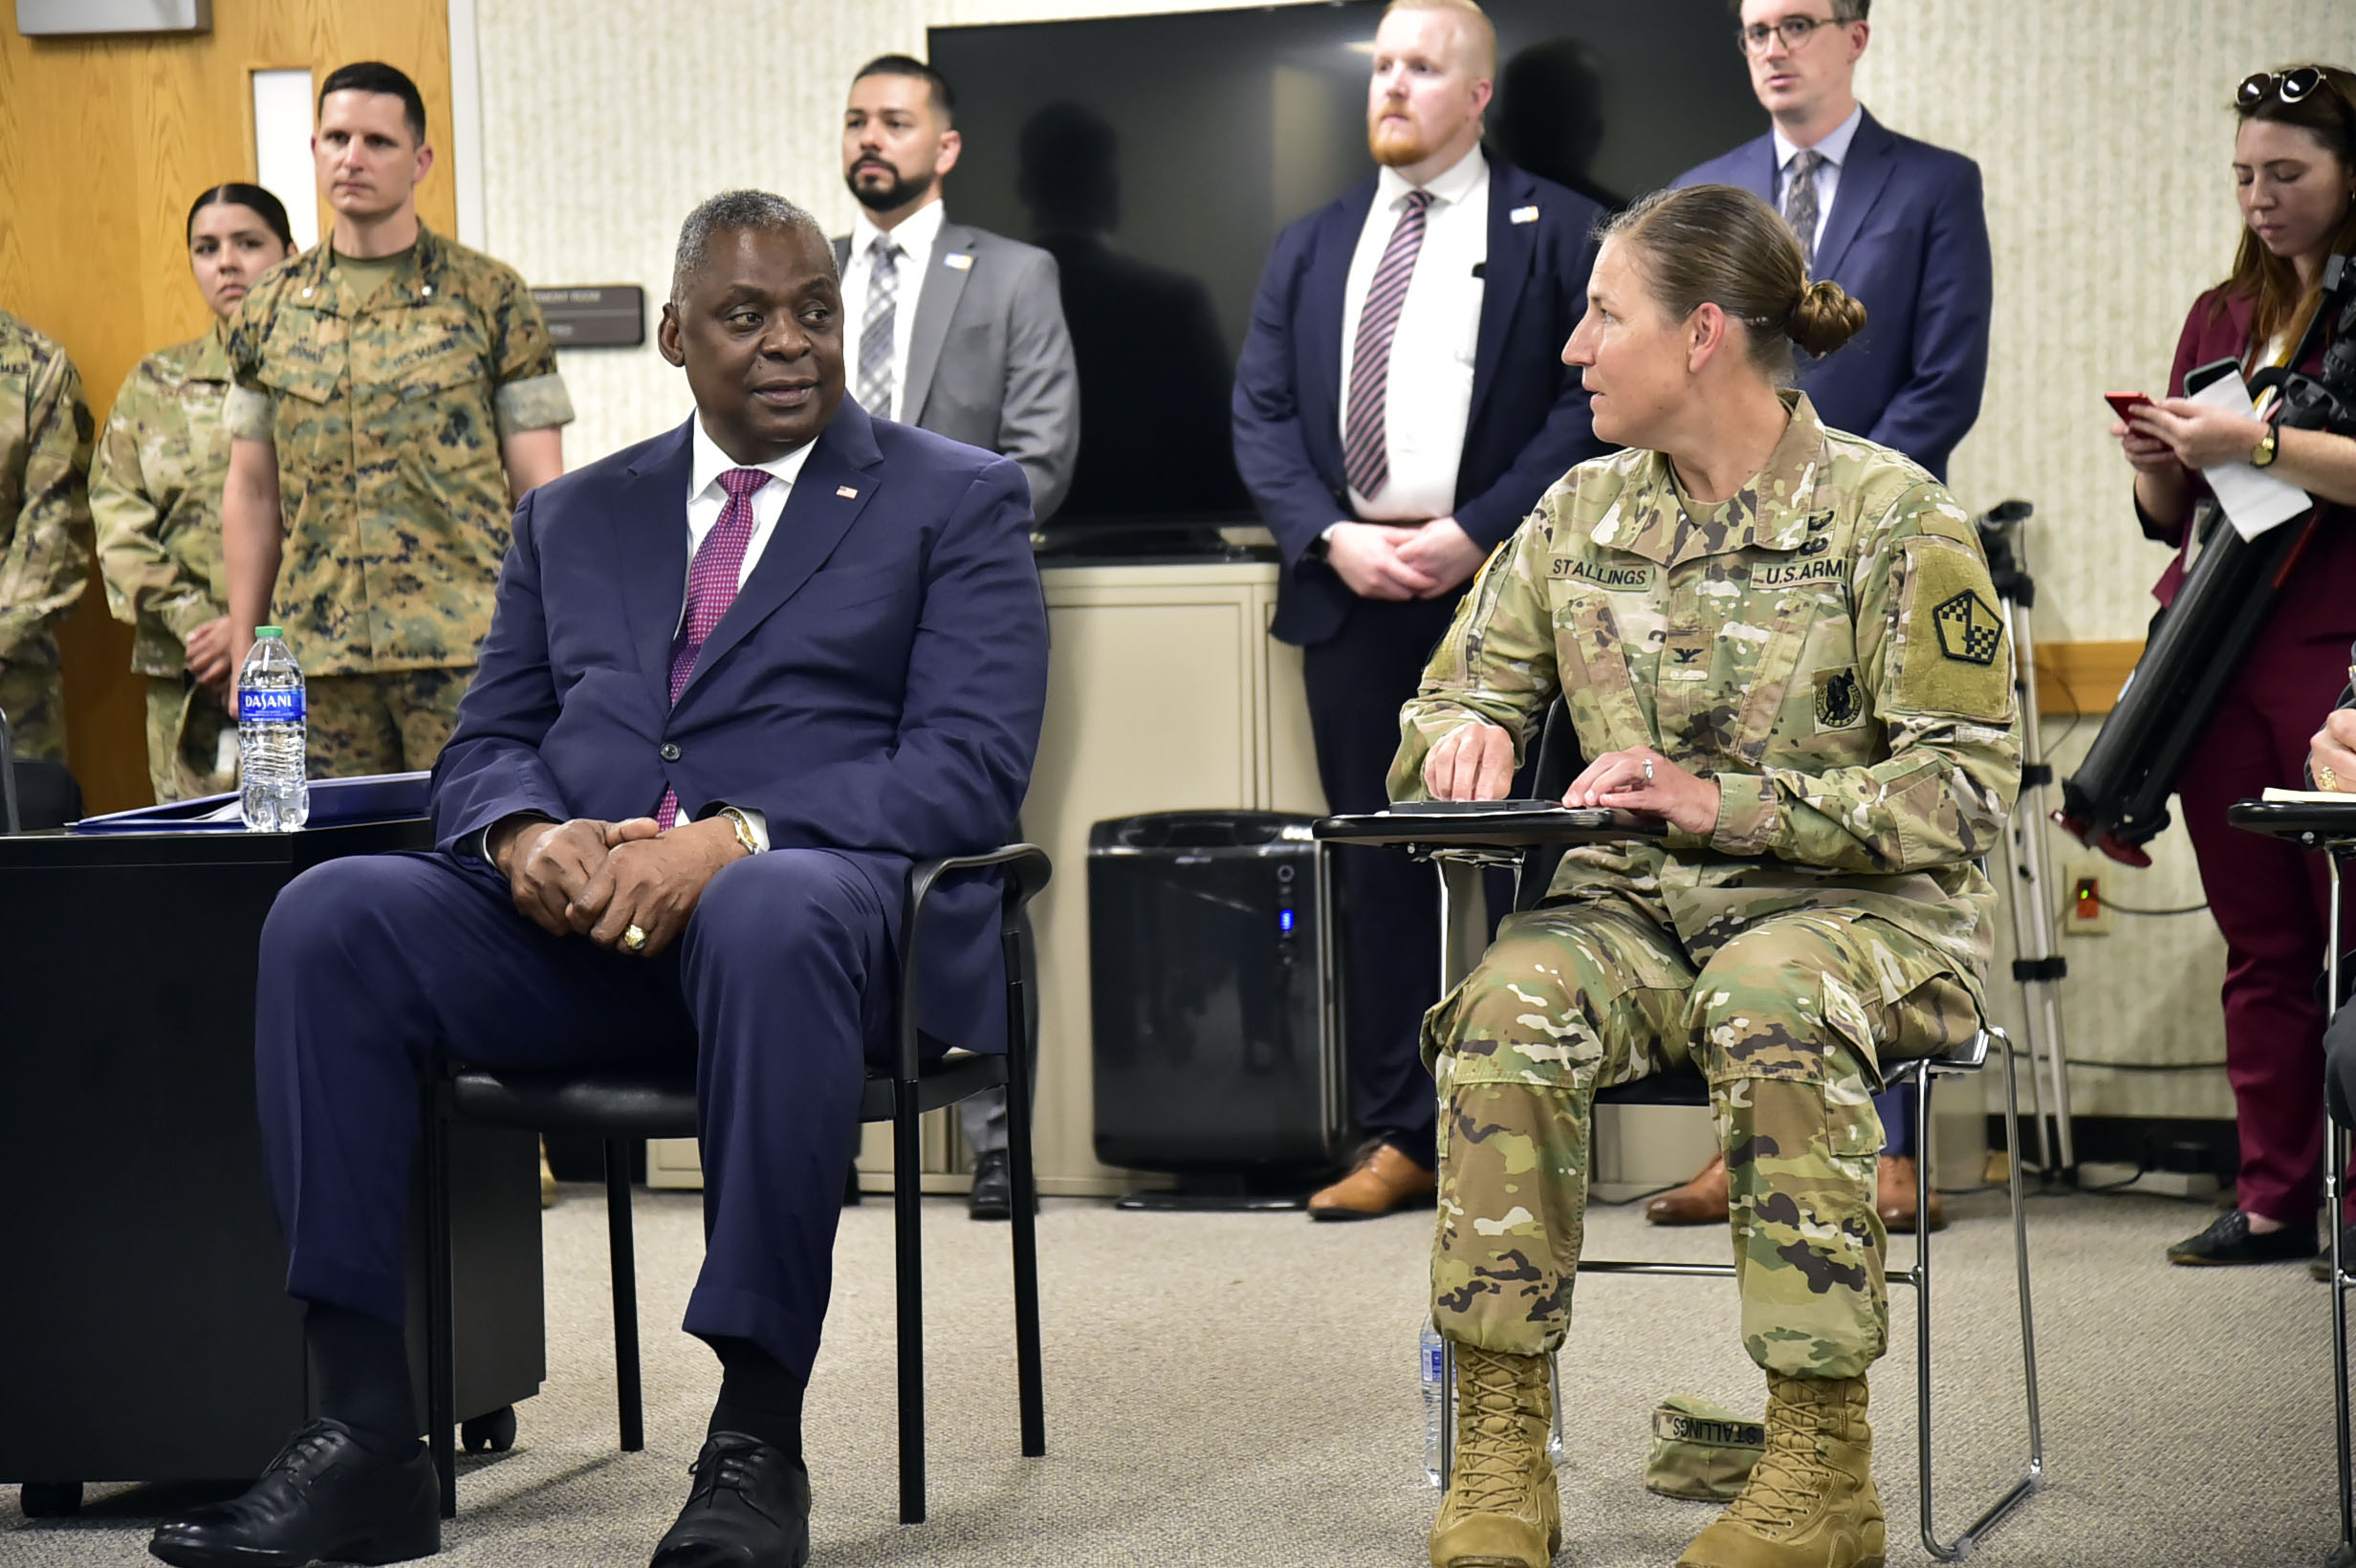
(334,803)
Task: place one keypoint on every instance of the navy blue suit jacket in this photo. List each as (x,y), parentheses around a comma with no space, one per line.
(875,689)
(1528,424)
(1909,237)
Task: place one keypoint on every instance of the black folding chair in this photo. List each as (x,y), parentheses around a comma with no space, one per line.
(617,1106)
(34,791)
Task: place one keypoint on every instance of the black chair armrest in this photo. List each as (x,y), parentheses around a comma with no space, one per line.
(1024,870)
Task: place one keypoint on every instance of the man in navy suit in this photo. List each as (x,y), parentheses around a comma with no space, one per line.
(1400,406)
(1899,224)
(739,677)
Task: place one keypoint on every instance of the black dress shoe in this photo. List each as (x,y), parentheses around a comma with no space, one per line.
(323,1499)
(750,1508)
(2231,1241)
(993,1197)
(2320,1266)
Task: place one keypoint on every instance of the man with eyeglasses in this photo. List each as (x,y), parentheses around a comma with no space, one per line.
(1899,224)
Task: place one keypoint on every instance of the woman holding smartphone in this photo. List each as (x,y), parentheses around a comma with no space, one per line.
(2295,173)
(154,495)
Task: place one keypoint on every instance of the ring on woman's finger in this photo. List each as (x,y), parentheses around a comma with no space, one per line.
(2329,779)
(1647,771)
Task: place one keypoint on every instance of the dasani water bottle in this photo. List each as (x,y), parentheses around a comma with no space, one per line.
(269,736)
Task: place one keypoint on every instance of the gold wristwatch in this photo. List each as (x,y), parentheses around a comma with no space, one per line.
(743,825)
(2262,455)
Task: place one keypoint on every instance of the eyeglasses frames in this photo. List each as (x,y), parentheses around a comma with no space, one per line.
(1794,31)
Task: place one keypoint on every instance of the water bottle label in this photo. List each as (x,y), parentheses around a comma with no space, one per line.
(284,706)
(1432,1361)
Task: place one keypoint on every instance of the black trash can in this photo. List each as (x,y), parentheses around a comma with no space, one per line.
(1216,1041)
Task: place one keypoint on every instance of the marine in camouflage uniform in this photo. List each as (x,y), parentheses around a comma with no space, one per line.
(155,498)
(45,430)
(1827,647)
(387,405)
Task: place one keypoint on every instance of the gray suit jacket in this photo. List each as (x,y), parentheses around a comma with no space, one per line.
(990,359)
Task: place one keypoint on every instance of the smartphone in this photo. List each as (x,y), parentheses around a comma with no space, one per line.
(2126,403)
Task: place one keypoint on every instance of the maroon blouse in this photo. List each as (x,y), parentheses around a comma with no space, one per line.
(2319,600)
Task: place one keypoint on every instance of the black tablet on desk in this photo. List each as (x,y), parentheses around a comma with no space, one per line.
(1492,823)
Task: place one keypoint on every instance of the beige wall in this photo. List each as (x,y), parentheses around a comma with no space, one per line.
(2102,130)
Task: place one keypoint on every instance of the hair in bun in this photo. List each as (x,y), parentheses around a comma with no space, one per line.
(1719,245)
(1824,317)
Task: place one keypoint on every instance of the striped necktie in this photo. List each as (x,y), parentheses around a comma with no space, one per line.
(712,588)
(1366,455)
(1800,204)
(875,330)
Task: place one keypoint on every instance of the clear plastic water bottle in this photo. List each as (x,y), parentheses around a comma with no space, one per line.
(271,762)
(1427,1360)
(1431,1366)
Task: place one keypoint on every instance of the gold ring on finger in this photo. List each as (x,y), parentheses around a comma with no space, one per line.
(633,938)
(2330,780)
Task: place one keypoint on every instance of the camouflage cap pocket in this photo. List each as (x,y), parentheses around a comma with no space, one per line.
(1701,1451)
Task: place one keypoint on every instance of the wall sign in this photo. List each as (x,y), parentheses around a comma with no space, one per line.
(606,315)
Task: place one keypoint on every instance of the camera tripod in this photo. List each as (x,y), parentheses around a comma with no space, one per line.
(2037,966)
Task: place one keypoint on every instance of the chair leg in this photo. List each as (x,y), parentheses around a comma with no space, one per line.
(622,1250)
(907,1190)
(441,1307)
(1027,1369)
(2034,1476)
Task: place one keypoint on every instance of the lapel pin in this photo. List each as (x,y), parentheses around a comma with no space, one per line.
(1523,215)
(846,493)
(958,261)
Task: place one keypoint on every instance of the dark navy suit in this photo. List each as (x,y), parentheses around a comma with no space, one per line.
(1908,235)
(875,691)
(1528,425)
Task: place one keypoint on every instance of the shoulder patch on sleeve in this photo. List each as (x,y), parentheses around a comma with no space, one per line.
(1952,655)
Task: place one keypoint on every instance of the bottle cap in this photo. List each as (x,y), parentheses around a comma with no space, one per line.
(267,631)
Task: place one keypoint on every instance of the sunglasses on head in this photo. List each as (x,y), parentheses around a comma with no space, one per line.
(2289,85)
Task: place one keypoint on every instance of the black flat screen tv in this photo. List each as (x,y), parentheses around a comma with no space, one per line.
(1159,155)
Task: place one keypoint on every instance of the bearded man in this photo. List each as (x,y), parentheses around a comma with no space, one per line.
(1400,406)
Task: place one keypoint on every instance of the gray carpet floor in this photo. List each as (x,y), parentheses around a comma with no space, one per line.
(1240,1390)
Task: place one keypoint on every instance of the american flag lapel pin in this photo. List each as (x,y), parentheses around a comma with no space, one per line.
(846,493)
(1523,215)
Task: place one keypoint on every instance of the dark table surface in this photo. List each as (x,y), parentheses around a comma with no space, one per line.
(145,1316)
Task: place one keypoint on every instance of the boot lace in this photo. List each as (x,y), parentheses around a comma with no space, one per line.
(1791,1479)
(1492,1462)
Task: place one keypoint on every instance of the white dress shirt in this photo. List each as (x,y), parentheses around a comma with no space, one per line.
(1428,399)
(1834,150)
(917,237)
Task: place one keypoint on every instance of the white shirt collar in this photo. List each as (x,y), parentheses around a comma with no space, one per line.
(1448,187)
(1833,149)
(916,233)
(710,463)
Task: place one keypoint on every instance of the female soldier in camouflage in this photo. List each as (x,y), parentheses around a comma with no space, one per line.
(154,495)
(1780,639)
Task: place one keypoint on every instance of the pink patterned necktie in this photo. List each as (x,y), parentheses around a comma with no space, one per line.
(712,588)
(1365,453)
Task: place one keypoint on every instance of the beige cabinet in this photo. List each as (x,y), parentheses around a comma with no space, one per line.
(1165,693)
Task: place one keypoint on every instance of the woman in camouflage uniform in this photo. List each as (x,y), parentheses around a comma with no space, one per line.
(154,495)
(1781,640)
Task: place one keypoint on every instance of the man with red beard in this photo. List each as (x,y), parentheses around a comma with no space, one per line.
(1400,406)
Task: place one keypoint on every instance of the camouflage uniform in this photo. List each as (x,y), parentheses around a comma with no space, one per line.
(387,414)
(45,430)
(1825,645)
(155,496)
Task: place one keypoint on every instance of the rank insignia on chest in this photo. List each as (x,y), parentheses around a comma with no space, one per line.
(1970,629)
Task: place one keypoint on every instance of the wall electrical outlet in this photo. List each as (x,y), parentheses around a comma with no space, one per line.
(2086,886)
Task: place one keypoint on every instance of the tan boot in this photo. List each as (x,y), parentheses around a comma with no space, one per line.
(1810,1502)
(1501,1510)
(548,1179)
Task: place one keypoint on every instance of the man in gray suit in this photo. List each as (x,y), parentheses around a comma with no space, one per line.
(957,330)
(983,356)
